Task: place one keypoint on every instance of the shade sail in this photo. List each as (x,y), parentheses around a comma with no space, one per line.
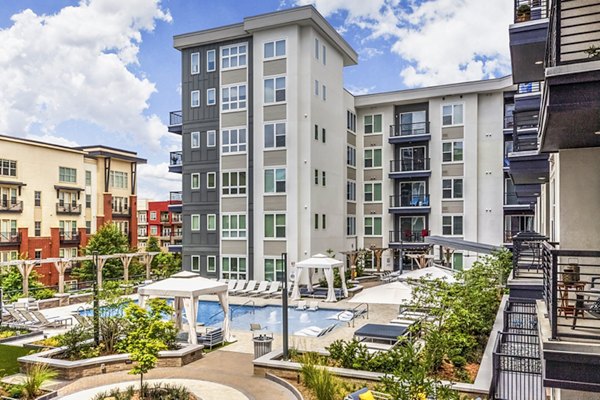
(429,273)
(396,293)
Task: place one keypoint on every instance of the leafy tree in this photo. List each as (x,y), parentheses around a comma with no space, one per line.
(11,282)
(152,244)
(167,264)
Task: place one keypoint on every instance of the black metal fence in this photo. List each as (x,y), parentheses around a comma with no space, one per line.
(520,317)
(527,254)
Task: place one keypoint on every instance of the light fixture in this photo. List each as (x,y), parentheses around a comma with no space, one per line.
(597,133)
(536,194)
(539,62)
(541,178)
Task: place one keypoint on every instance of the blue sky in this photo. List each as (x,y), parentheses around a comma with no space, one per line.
(104,71)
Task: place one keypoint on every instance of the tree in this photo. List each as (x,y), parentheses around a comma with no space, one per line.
(166,264)
(152,245)
(11,282)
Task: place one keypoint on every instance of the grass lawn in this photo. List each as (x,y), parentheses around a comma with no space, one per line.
(8,358)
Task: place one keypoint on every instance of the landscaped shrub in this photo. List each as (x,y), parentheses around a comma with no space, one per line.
(36,376)
(6,332)
(43,294)
(77,343)
(319,380)
(157,391)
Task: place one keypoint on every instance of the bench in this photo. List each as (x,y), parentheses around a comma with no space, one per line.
(212,337)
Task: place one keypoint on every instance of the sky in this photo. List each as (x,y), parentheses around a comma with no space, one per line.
(105,72)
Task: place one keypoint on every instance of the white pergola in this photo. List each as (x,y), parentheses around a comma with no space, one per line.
(322,262)
(185,287)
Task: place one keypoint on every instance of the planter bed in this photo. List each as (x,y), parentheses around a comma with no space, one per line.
(46,396)
(48,303)
(80,298)
(30,334)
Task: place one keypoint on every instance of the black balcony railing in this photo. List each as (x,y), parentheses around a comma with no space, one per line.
(527,254)
(529,10)
(409,165)
(70,237)
(508,121)
(11,205)
(415,128)
(408,236)
(10,238)
(176,158)
(409,201)
(120,209)
(175,196)
(175,118)
(68,208)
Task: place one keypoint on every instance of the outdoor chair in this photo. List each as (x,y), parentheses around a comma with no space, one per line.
(376,395)
(262,288)
(255,327)
(313,306)
(301,306)
(249,288)
(82,320)
(56,321)
(239,286)
(273,290)
(592,305)
(212,337)
(19,319)
(231,284)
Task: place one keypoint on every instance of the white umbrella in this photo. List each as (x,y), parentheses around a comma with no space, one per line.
(395,293)
(429,273)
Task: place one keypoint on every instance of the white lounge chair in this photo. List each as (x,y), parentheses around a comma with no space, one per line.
(231,285)
(251,286)
(313,306)
(55,321)
(262,288)
(301,306)
(239,286)
(274,289)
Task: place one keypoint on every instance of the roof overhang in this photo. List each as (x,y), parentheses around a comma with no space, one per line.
(460,244)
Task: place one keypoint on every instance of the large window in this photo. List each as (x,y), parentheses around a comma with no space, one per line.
(452,188)
(233,98)
(351,226)
(195,267)
(275,90)
(273,269)
(373,158)
(275,226)
(275,180)
(211,97)
(211,138)
(67,174)
(234,183)
(413,123)
(195,142)
(233,56)
(452,224)
(351,190)
(211,180)
(233,226)
(452,114)
(233,267)
(118,179)
(274,49)
(372,192)
(211,263)
(195,181)
(195,98)
(211,64)
(373,123)
(351,121)
(372,226)
(351,156)
(211,222)
(88,178)
(275,135)
(195,63)
(452,151)
(8,167)
(233,141)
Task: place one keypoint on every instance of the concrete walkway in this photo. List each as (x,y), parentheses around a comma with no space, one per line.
(221,367)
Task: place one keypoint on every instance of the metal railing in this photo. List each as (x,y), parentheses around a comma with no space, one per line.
(68,208)
(508,121)
(409,200)
(511,199)
(175,118)
(72,237)
(408,236)
(525,141)
(529,10)
(359,310)
(11,205)
(176,158)
(121,209)
(10,238)
(415,128)
(409,165)
(520,317)
(527,254)
(175,196)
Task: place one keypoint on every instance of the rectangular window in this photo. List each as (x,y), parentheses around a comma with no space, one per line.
(154,228)
(233,268)
(324,92)
(195,181)
(373,123)
(233,56)
(274,49)
(452,224)
(275,90)
(195,140)
(373,158)
(273,269)
(324,221)
(211,138)
(211,97)
(233,98)
(233,183)
(233,226)
(195,225)
(351,226)
(324,55)
(195,98)
(316,176)
(67,174)
(317,48)
(211,264)
(38,228)
(350,121)
(372,192)
(37,198)
(452,114)
(88,228)
(452,188)
(152,215)
(88,178)
(413,123)
(324,135)
(88,201)
(351,156)
(316,221)
(37,254)
(195,61)
(275,135)
(457,261)
(452,151)
(275,180)
(275,226)
(211,180)
(372,226)
(233,141)
(211,222)
(351,190)
(118,179)
(195,267)
(316,87)
(211,64)
(8,167)
(316,132)
(324,178)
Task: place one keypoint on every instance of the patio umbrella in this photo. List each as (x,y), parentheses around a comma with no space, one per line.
(429,273)
(396,293)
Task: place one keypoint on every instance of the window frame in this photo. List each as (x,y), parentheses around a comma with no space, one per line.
(213,134)
(350,156)
(197,259)
(275,56)
(241,190)
(278,269)
(192,72)
(195,137)
(453,122)
(239,275)
(453,181)
(452,151)
(275,78)
(372,185)
(372,124)
(373,151)
(208,96)
(192,103)
(275,226)
(227,133)
(372,218)
(237,56)
(8,167)
(212,175)
(211,218)
(214,56)
(351,190)
(240,104)
(452,224)
(208,264)
(240,233)
(194,223)
(276,135)
(62,174)
(195,181)
(350,225)
(275,190)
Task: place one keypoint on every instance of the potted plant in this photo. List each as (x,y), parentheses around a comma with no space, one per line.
(593,52)
(523,13)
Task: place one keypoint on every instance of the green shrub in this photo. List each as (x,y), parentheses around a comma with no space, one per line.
(77,342)
(43,294)
(36,376)
(319,380)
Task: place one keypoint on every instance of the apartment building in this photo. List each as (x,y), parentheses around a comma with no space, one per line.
(156,219)
(53,197)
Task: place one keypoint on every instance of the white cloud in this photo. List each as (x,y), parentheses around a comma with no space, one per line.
(73,65)
(358,90)
(370,52)
(155,181)
(442,41)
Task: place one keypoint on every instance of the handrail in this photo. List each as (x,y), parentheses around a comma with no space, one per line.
(232,308)
(355,313)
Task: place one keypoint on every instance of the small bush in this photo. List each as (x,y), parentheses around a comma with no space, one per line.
(37,375)
(319,380)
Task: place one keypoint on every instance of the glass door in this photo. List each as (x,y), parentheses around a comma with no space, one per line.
(413,158)
(413,123)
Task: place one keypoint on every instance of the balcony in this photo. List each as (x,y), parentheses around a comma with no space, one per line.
(175,199)
(68,208)
(175,248)
(512,202)
(406,133)
(11,206)
(69,237)
(408,237)
(8,239)
(409,204)
(175,122)
(410,168)
(119,210)
(176,161)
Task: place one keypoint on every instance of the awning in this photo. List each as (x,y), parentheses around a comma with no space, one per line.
(12,183)
(460,244)
(60,187)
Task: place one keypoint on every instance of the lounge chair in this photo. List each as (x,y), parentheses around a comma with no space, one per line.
(56,321)
(212,337)
(249,288)
(313,306)
(29,317)
(315,331)
(301,306)
(262,288)
(231,284)
(239,286)
(18,318)
(274,289)
(278,293)
(82,320)
(376,395)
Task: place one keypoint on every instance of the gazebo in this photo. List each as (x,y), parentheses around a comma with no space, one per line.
(185,287)
(327,264)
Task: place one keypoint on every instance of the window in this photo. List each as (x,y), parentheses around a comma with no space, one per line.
(211,65)
(452,188)
(211,264)
(275,226)
(211,222)
(195,140)
(37,254)
(351,226)
(324,55)
(351,191)
(372,192)
(275,90)
(233,268)
(195,265)
(195,181)
(316,221)
(88,178)
(67,174)
(316,132)
(373,123)
(195,98)
(324,92)
(324,221)
(38,228)
(234,183)
(37,198)
(211,180)
(316,176)
(152,215)
(195,67)
(275,135)
(324,135)
(351,121)
(275,180)
(373,158)
(88,201)
(372,226)
(452,114)
(233,98)
(413,123)
(274,49)
(324,178)
(457,261)
(233,56)
(452,151)
(211,138)
(233,226)
(351,156)
(154,228)
(195,225)
(118,179)
(317,48)
(142,230)
(88,228)
(211,97)
(452,224)
(8,167)
(273,269)
(142,218)
(233,141)
(316,87)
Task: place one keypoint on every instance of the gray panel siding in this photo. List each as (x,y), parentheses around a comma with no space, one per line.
(275,158)
(373,175)
(453,169)
(232,119)
(455,132)
(275,67)
(275,203)
(373,140)
(275,112)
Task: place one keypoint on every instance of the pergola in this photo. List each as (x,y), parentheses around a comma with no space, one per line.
(63,264)
(185,287)
(327,264)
